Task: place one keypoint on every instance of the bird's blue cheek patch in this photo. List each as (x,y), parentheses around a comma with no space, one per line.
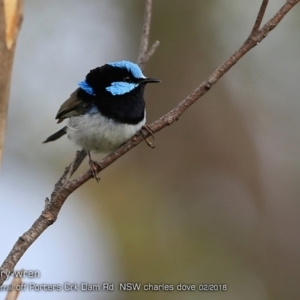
(120,88)
(86,87)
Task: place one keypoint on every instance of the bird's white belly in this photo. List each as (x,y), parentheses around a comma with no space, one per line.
(100,134)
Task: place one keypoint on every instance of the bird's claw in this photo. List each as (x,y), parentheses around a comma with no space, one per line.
(93,166)
(149,130)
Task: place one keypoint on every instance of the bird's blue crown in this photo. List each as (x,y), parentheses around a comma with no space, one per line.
(130,66)
(118,87)
(86,87)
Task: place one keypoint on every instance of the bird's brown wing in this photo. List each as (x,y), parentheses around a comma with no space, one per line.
(73,106)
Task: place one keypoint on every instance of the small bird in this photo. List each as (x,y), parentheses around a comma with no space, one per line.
(106,109)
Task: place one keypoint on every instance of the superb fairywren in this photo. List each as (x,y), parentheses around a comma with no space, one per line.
(107,109)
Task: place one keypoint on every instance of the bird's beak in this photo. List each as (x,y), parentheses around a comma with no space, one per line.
(149,80)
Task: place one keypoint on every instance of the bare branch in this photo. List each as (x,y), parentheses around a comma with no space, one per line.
(150,52)
(65,187)
(80,156)
(142,60)
(259,17)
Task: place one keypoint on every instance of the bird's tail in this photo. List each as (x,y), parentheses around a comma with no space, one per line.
(56,135)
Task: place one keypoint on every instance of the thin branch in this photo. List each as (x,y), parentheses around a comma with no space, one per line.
(80,156)
(150,52)
(65,187)
(259,17)
(141,61)
(146,27)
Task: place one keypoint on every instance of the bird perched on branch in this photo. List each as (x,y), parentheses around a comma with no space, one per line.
(106,110)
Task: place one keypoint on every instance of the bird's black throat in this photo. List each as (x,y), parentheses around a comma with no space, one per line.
(128,108)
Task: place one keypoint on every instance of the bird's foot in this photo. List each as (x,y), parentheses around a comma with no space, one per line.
(148,129)
(93,166)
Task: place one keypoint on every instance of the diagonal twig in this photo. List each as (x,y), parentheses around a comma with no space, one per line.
(144,54)
(79,157)
(259,17)
(150,52)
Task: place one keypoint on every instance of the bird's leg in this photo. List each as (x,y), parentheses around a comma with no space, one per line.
(148,129)
(93,165)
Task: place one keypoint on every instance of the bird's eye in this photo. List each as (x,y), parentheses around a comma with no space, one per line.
(127,79)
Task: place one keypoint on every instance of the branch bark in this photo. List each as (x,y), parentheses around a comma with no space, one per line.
(144,54)
(65,186)
(259,17)
(10,23)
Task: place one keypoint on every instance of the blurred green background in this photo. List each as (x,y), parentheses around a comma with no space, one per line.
(217,201)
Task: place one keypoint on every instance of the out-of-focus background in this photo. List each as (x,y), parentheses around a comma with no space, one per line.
(217,201)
